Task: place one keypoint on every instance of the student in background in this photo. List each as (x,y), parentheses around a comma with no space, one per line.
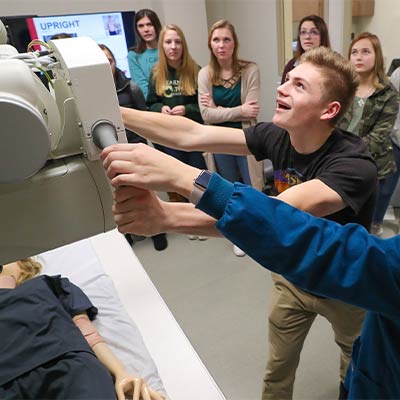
(173,89)
(312,33)
(128,92)
(229,89)
(373,114)
(130,96)
(144,54)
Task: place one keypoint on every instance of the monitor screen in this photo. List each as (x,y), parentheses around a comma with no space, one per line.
(114,29)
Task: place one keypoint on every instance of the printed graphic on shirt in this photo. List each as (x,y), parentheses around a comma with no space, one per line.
(151,60)
(173,88)
(286,178)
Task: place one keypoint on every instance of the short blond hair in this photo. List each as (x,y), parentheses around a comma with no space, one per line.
(339,79)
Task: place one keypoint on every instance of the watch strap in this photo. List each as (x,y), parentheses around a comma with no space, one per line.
(199,186)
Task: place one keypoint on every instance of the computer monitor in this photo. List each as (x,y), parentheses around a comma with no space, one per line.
(114,29)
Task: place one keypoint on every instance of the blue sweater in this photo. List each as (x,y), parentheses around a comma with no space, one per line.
(328,259)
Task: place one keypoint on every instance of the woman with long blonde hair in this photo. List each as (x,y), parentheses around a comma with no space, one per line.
(373,114)
(173,88)
(229,89)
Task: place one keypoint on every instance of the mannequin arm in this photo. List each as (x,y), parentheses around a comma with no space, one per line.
(124,383)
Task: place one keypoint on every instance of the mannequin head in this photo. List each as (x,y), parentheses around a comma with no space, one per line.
(21,270)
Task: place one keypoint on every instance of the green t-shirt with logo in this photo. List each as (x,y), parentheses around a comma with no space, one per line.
(173,96)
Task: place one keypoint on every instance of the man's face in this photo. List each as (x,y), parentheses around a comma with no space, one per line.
(299,103)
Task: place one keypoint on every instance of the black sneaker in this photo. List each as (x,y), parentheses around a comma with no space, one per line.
(160,241)
(343,393)
(131,238)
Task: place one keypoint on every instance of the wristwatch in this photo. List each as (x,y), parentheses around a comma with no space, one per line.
(199,186)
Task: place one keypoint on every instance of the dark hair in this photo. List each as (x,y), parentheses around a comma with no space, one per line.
(323,32)
(104,47)
(61,36)
(140,45)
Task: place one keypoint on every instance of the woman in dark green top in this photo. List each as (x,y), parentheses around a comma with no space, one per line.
(173,86)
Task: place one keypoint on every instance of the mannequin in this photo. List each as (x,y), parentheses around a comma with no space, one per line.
(50,318)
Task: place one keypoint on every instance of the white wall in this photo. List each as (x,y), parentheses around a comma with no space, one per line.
(339,24)
(385,24)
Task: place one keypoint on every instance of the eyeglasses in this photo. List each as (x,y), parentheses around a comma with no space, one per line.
(313,32)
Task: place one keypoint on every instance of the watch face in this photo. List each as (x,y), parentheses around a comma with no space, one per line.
(203,179)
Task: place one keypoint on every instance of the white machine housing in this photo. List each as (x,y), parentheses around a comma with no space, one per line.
(53,189)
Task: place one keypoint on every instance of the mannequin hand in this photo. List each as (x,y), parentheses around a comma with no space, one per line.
(129,385)
(136,388)
(250,109)
(147,168)
(178,110)
(166,110)
(206,100)
(138,211)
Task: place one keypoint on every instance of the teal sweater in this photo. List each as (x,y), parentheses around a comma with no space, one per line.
(173,96)
(140,65)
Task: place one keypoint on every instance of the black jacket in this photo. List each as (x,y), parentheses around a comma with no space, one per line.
(129,95)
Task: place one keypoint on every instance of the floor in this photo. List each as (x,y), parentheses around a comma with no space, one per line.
(221,303)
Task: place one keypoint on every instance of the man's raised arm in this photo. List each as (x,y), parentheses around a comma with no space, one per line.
(184,134)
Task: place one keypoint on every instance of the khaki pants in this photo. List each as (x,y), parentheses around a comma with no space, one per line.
(292,312)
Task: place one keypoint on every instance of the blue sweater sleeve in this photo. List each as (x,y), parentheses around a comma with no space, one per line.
(321,256)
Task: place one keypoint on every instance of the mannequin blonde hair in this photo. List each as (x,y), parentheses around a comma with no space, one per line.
(29,269)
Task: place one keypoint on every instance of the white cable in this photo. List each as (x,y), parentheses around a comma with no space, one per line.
(33,60)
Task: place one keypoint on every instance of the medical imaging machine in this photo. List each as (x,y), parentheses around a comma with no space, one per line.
(55,202)
(53,189)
